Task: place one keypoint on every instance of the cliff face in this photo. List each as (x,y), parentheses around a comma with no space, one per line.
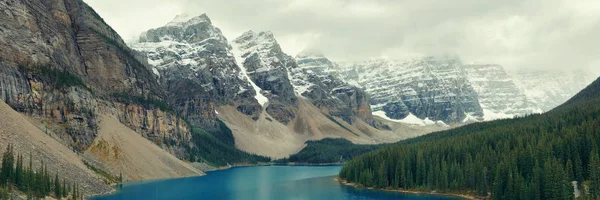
(263,61)
(61,63)
(314,78)
(430,88)
(498,94)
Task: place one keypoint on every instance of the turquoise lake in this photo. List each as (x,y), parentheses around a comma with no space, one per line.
(257,183)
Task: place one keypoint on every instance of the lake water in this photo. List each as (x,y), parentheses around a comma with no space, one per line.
(256,183)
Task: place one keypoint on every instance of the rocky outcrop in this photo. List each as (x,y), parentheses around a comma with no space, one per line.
(430,88)
(163,128)
(314,78)
(196,69)
(267,66)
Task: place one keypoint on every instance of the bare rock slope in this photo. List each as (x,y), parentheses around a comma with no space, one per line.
(124,151)
(27,139)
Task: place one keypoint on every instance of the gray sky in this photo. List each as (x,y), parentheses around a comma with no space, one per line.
(519,34)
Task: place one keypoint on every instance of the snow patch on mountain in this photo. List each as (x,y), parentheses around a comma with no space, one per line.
(262,99)
(489,115)
(470,118)
(411,120)
(260,44)
(498,95)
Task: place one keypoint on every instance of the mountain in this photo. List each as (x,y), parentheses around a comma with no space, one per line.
(498,94)
(588,96)
(266,65)
(556,150)
(63,66)
(196,69)
(428,88)
(314,79)
(548,89)
(248,94)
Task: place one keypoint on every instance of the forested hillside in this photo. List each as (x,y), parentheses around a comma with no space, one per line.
(532,157)
(328,150)
(16,176)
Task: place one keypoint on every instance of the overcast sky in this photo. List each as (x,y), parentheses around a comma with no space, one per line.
(518,34)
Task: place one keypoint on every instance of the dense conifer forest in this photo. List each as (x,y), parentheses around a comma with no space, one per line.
(217,148)
(329,150)
(34,183)
(532,157)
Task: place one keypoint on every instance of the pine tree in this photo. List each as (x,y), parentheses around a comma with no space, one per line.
(569,171)
(19,173)
(382,176)
(74,192)
(6,171)
(594,171)
(397,171)
(64,188)
(57,189)
(30,174)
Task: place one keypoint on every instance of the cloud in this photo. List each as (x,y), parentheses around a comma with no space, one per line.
(519,34)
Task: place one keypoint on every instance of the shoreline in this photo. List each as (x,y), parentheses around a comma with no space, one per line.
(116,186)
(462,196)
(273,164)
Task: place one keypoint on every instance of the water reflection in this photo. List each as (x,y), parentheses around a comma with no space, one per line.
(252,183)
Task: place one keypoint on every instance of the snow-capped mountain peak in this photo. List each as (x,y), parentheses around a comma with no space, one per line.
(188,20)
(264,45)
(185,29)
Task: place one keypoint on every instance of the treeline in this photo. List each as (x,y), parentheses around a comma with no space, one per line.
(328,150)
(56,78)
(218,148)
(143,101)
(534,157)
(14,175)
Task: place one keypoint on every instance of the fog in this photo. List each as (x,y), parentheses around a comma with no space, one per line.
(518,34)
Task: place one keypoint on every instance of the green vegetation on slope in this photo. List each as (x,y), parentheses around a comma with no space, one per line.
(58,79)
(139,100)
(533,157)
(328,151)
(109,178)
(340,124)
(218,148)
(14,175)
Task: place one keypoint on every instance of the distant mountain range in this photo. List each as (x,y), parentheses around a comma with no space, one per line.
(446,90)
(208,99)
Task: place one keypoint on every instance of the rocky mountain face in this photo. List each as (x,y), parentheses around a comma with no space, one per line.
(196,69)
(314,78)
(498,95)
(429,88)
(266,65)
(264,96)
(61,63)
(548,89)
(447,90)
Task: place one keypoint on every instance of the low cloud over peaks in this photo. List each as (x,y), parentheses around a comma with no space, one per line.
(518,34)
